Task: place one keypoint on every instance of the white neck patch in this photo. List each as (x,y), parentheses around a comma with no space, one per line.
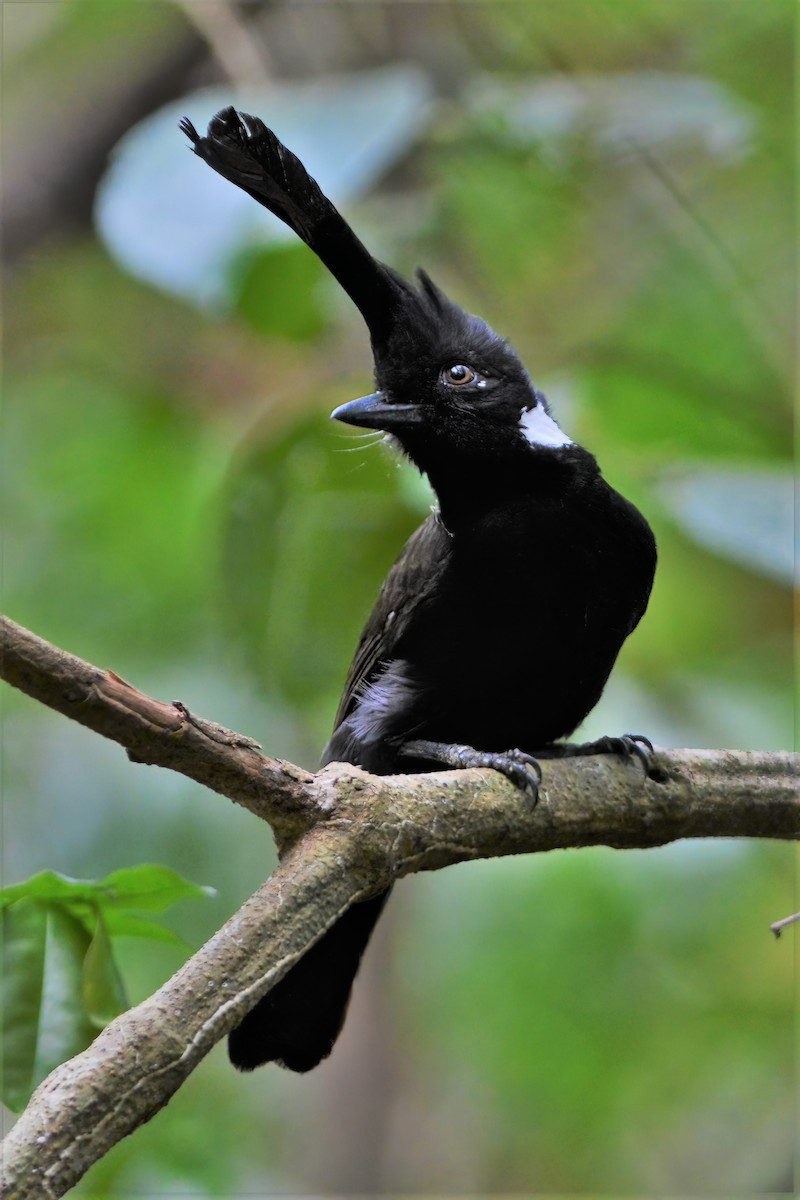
(539,429)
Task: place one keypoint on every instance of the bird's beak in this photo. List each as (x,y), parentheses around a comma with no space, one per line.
(374,412)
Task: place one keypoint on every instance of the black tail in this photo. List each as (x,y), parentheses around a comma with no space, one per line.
(243,150)
(297,1023)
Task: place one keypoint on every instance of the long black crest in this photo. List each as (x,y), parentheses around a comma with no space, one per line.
(243,150)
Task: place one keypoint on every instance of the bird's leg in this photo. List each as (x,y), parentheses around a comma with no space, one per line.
(522,769)
(628,745)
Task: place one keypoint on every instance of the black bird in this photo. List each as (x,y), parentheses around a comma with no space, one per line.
(500,622)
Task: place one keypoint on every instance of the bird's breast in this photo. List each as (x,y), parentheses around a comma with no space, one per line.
(526,624)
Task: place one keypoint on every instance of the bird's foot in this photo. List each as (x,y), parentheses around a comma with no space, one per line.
(520,768)
(628,745)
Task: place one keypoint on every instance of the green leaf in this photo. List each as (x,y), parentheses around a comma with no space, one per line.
(124,924)
(47,885)
(150,887)
(147,886)
(60,981)
(104,994)
(44,948)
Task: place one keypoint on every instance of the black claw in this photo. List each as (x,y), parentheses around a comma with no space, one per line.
(520,768)
(528,776)
(634,746)
(628,745)
(642,748)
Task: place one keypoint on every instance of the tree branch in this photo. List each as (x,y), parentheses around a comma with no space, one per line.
(158,733)
(345,835)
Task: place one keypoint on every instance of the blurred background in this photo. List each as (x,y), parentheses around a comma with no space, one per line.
(609,184)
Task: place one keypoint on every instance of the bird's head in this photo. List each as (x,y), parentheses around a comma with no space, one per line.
(452,393)
(449,388)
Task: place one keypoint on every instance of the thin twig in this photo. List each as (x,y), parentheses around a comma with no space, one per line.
(778,927)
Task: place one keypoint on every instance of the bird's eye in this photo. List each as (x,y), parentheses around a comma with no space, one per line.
(459,374)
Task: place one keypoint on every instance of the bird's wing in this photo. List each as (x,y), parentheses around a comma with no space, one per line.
(243,150)
(410,584)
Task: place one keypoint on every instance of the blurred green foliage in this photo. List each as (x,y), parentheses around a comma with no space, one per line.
(177,509)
